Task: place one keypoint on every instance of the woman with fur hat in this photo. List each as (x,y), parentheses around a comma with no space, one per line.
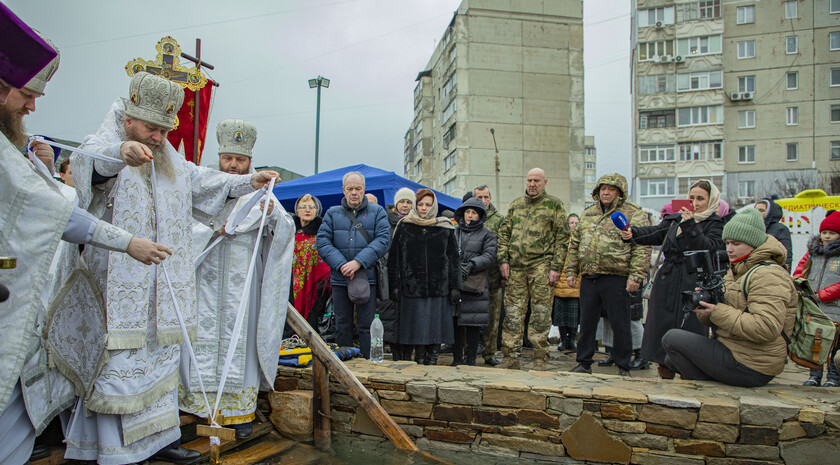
(424,278)
(310,274)
(477,246)
(821,267)
(747,347)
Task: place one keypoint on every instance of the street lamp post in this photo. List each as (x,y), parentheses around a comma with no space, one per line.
(317,83)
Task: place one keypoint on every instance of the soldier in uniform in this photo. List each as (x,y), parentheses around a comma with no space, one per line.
(491,331)
(611,268)
(532,250)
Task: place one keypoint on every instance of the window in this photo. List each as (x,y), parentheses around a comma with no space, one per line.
(589,165)
(746,154)
(835,150)
(709,9)
(834,6)
(835,77)
(699,81)
(746,188)
(452,54)
(652,16)
(449,86)
(792,116)
(696,46)
(448,111)
(746,49)
(418,129)
(792,79)
(835,114)
(589,151)
(746,84)
(697,116)
(417,89)
(685,183)
(449,186)
(652,50)
(745,14)
(656,153)
(657,187)
(792,151)
(449,161)
(746,119)
(701,150)
(790,9)
(417,167)
(834,41)
(656,84)
(656,119)
(791,45)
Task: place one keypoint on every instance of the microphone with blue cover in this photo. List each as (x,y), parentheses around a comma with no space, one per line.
(619,220)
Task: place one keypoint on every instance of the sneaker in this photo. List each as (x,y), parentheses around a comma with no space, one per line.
(581,368)
(813,381)
(831,383)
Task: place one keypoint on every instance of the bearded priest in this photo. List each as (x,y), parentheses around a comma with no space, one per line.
(129,411)
(221,277)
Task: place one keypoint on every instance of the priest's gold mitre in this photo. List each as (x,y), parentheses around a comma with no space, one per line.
(154,99)
(236,136)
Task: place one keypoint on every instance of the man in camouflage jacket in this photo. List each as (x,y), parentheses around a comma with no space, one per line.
(610,268)
(491,332)
(532,249)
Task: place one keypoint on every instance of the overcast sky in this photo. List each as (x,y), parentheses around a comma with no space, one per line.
(264,52)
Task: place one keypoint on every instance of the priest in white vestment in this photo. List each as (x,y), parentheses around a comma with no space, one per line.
(129,411)
(35,217)
(220,277)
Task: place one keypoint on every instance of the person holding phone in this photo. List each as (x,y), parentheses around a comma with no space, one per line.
(694,226)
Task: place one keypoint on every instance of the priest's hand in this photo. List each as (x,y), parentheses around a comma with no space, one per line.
(261,179)
(349,269)
(135,153)
(46,154)
(270,207)
(146,251)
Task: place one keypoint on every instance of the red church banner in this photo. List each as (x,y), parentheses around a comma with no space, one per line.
(184,133)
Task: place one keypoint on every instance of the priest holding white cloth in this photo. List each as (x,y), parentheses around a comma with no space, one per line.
(129,411)
(220,277)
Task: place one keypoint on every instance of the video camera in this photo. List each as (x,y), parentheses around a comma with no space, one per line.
(709,279)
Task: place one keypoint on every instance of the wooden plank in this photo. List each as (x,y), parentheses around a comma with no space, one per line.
(259,452)
(346,377)
(202,445)
(56,457)
(222,433)
(321,404)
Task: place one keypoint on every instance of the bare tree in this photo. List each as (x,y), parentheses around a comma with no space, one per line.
(791,183)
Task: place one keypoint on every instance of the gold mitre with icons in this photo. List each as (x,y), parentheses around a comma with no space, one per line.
(168,65)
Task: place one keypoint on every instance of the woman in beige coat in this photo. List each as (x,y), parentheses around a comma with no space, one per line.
(747,348)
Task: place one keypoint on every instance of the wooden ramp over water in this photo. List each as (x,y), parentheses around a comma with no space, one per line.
(264,445)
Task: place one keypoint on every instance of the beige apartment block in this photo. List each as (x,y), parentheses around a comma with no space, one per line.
(515,67)
(767,91)
(590,168)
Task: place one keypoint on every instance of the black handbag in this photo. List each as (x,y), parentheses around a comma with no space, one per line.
(381,266)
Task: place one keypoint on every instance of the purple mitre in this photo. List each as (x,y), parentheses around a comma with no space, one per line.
(22,52)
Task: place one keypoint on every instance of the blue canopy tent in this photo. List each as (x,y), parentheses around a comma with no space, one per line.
(327,187)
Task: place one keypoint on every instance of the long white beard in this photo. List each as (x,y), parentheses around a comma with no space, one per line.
(163,165)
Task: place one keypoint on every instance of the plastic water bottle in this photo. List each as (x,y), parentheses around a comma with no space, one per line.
(377,340)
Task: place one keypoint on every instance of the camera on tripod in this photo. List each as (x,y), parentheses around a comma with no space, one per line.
(709,279)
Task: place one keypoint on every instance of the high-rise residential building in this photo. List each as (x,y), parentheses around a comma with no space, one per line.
(745,93)
(506,77)
(590,176)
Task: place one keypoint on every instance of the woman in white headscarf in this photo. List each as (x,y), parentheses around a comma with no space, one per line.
(424,278)
(696,228)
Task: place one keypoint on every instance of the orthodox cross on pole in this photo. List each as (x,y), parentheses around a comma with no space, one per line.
(198,64)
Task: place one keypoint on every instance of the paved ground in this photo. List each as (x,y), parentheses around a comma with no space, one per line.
(564,361)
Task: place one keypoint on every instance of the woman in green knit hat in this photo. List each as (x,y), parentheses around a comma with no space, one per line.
(746,348)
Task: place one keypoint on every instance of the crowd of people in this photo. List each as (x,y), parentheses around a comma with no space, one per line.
(129,344)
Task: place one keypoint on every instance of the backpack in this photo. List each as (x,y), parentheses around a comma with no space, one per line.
(813,336)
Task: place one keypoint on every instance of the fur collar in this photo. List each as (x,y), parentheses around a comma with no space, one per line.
(815,247)
(310,229)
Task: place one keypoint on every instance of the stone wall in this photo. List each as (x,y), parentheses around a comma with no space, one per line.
(568,418)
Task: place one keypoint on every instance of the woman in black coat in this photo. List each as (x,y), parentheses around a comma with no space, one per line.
(477,245)
(424,278)
(388,310)
(700,229)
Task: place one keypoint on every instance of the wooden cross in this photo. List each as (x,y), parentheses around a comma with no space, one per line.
(218,433)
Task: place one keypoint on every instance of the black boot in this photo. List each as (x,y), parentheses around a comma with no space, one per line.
(571,335)
(607,362)
(420,354)
(432,352)
(638,362)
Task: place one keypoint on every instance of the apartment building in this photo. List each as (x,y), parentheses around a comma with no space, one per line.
(501,94)
(590,176)
(745,93)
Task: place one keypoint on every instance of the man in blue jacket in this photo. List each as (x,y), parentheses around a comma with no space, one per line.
(348,253)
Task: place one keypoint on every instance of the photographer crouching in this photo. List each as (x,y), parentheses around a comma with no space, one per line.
(747,347)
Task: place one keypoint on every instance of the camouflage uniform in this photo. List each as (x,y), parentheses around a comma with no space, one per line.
(597,252)
(532,240)
(491,331)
